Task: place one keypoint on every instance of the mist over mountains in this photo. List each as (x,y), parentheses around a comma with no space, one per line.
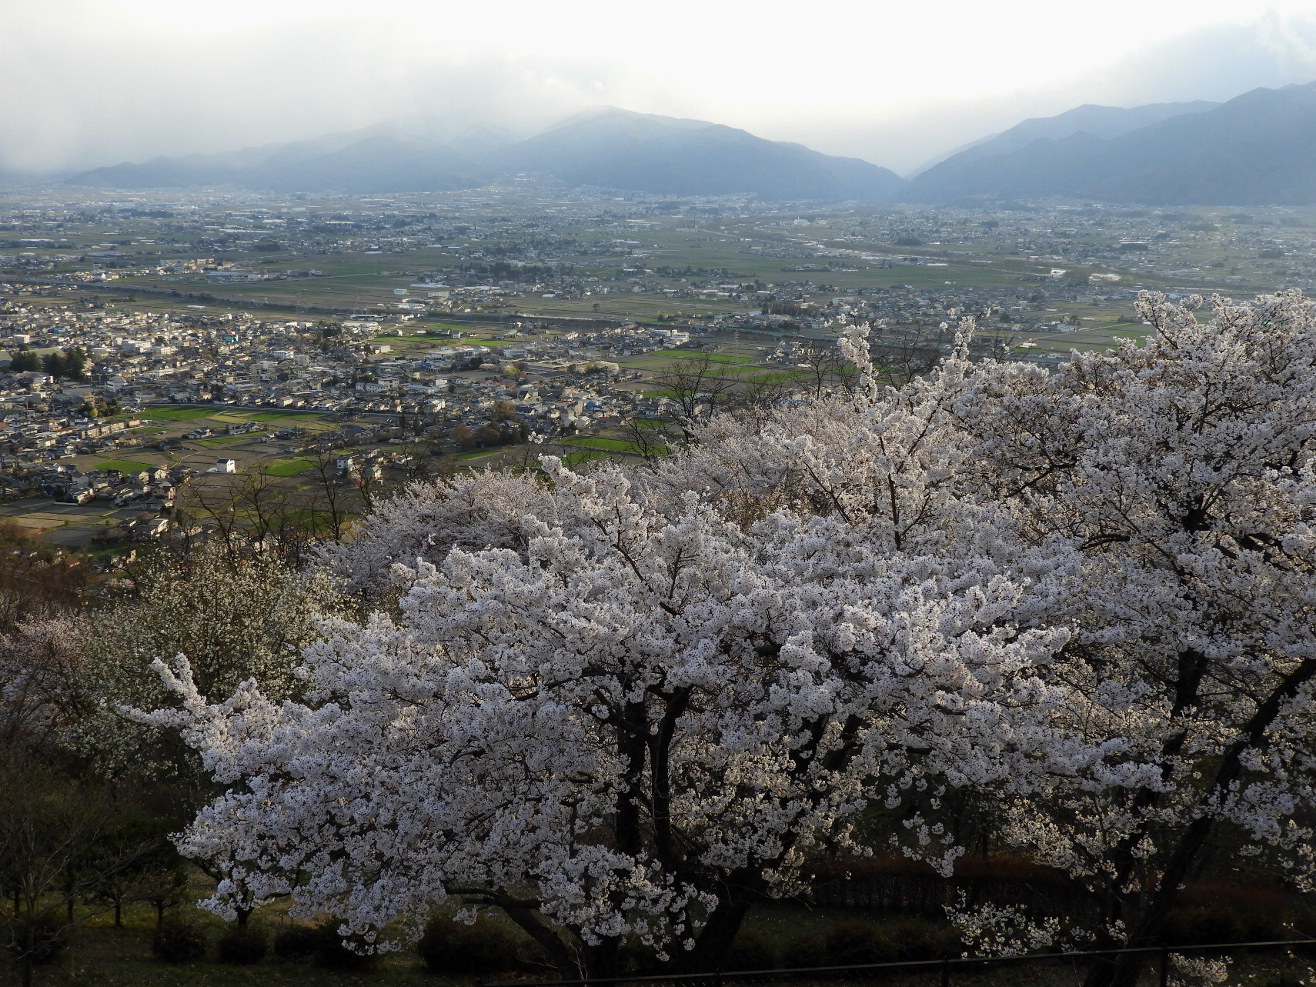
(607,148)
(1254,149)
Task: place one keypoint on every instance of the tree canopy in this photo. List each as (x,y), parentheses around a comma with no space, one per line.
(624,707)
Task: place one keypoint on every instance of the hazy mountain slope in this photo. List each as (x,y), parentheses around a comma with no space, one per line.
(378,159)
(612,149)
(1098,121)
(618,149)
(1256,148)
(385,163)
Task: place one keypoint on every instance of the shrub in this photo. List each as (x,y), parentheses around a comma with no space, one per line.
(850,943)
(241,945)
(448,946)
(1203,925)
(38,939)
(918,939)
(297,942)
(751,951)
(333,954)
(1220,912)
(804,951)
(179,941)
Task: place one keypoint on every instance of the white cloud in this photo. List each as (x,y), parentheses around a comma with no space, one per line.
(103,81)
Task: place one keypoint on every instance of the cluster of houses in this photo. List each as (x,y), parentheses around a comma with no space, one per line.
(542,375)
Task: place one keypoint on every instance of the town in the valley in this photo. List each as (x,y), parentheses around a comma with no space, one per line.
(166,354)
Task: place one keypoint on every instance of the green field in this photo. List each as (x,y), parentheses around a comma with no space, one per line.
(219,441)
(699,355)
(124,465)
(611,445)
(291,416)
(583,456)
(288,467)
(177,414)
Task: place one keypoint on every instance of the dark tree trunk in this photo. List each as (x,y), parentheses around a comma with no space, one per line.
(1123,970)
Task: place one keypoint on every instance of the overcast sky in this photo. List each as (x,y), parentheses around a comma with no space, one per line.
(96,82)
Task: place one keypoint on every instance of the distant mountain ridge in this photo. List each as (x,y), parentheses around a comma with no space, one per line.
(1251,150)
(1098,121)
(608,148)
(616,148)
(377,159)
(1258,148)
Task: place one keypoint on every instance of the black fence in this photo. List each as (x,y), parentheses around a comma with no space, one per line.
(943,973)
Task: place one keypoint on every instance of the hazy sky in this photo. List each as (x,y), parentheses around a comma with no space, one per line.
(94,82)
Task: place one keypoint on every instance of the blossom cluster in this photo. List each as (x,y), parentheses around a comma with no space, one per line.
(624,705)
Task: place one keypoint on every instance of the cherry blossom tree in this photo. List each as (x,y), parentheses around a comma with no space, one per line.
(1182,472)
(427,520)
(235,617)
(627,730)
(1167,488)
(41,686)
(623,708)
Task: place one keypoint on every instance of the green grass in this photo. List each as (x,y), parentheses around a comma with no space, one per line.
(102,956)
(99,955)
(312,519)
(124,465)
(289,467)
(582,456)
(177,414)
(611,445)
(222,440)
(700,355)
(268,416)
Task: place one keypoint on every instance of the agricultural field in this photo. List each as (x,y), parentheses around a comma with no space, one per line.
(848,251)
(745,281)
(256,453)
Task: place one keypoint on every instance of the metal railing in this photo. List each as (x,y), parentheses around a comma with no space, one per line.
(945,969)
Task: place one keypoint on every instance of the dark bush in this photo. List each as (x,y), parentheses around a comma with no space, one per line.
(851,943)
(448,946)
(178,941)
(38,939)
(918,939)
(241,945)
(297,942)
(1202,925)
(333,954)
(751,951)
(1221,912)
(804,951)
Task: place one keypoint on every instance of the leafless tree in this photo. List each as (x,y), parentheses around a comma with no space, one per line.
(698,388)
(825,369)
(52,855)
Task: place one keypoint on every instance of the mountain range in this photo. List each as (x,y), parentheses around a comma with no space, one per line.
(610,148)
(1254,149)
